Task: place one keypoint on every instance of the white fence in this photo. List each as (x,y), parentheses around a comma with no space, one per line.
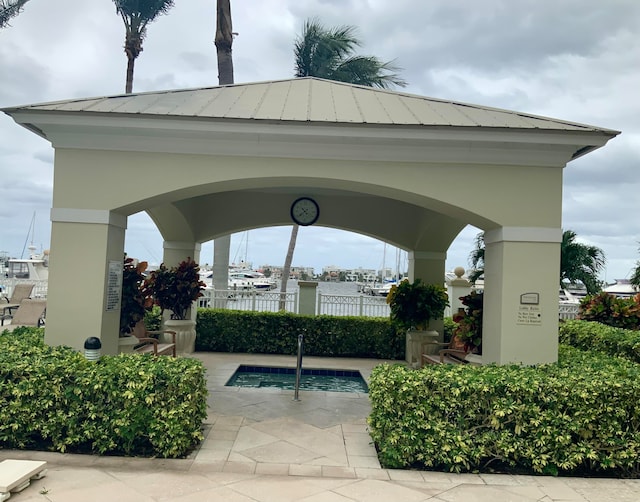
(7,286)
(256,301)
(269,301)
(567,312)
(349,305)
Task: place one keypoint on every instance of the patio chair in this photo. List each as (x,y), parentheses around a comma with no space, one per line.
(151,345)
(30,313)
(454,353)
(21,291)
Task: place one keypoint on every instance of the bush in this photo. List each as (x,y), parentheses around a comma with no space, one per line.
(581,415)
(588,335)
(277,333)
(53,398)
(612,311)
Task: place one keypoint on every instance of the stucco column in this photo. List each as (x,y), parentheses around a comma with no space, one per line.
(429,266)
(85,277)
(522,270)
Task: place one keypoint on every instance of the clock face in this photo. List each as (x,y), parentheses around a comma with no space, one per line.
(305,211)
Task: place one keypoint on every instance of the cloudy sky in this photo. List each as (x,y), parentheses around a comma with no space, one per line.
(577,60)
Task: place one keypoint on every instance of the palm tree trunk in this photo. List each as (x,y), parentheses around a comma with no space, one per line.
(130,64)
(286,270)
(223,41)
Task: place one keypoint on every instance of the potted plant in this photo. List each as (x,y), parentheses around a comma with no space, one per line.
(175,289)
(413,305)
(469,322)
(134,302)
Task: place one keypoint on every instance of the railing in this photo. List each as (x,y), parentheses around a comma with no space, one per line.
(8,285)
(253,300)
(349,305)
(567,312)
(269,301)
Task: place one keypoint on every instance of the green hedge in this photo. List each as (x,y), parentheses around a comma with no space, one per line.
(53,398)
(588,335)
(581,415)
(277,333)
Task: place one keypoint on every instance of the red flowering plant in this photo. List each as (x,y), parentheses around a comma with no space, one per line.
(135,301)
(175,288)
(469,321)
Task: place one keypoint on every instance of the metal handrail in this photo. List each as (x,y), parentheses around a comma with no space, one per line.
(298,368)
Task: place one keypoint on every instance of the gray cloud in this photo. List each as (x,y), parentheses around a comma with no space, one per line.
(572,59)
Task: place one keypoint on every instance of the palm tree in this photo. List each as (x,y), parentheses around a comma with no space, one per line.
(476,258)
(329,53)
(136,15)
(580,262)
(324,53)
(223,42)
(635,276)
(9,9)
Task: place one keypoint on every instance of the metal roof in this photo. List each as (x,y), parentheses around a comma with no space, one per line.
(308,99)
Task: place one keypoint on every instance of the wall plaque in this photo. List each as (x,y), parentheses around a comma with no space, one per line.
(114,286)
(529,314)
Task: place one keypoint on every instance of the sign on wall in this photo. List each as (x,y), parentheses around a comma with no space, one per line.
(114,286)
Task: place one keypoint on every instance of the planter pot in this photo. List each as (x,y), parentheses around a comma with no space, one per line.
(126,344)
(185,334)
(415,340)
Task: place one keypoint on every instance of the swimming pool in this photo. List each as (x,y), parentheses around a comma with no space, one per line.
(310,379)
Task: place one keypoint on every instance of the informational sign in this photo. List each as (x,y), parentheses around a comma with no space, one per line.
(114,285)
(529,314)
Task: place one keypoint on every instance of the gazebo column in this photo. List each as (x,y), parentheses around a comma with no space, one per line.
(522,270)
(429,266)
(85,277)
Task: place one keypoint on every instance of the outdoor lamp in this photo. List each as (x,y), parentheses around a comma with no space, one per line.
(92,346)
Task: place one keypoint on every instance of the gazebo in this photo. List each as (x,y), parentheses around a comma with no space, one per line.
(407,169)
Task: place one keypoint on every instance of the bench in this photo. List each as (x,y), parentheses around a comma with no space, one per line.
(453,352)
(150,345)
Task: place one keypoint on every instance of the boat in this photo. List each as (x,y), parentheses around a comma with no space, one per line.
(34,269)
(242,280)
(622,288)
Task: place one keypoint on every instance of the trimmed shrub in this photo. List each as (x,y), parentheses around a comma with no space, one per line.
(53,398)
(587,335)
(581,415)
(277,333)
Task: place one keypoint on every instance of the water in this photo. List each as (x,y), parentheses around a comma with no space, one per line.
(311,379)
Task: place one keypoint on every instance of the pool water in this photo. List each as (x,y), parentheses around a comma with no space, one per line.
(311,379)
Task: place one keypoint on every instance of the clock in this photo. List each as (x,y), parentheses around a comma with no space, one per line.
(305,211)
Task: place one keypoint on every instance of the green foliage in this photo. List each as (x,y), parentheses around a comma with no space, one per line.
(580,262)
(579,415)
(329,53)
(10,9)
(469,327)
(176,288)
(414,304)
(449,328)
(594,336)
(277,333)
(53,398)
(612,311)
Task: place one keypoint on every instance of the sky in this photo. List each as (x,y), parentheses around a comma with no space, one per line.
(575,60)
